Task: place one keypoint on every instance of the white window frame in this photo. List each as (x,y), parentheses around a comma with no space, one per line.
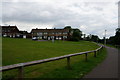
(64,32)
(65,37)
(45,37)
(45,32)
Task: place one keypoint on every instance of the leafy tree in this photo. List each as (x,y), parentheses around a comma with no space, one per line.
(67,27)
(94,38)
(111,40)
(70,29)
(88,38)
(115,40)
(74,34)
(117,37)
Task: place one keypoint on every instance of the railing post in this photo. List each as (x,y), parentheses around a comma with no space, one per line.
(20,73)
(68,62)
(85,56)
(101,49)
(95,53)
(98,51)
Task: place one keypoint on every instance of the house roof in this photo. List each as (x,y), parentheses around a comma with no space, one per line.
(50,30)
(11,28)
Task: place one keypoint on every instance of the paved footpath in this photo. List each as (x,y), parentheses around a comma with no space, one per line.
(108,68)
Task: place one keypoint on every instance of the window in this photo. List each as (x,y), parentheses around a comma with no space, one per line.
(56,32)
(53,33)
(60,38)
(45,33)
(57,37)
(52,36)
(40,37)
(59,33)
(45,37)
(39,34)
(34,33)
(64,32)
(64,37)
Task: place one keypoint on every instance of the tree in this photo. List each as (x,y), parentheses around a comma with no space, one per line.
(70,29)
(117,37)
(115,40)
(111,40)
(67,27)
(88,38)
(94,38)
(74,34)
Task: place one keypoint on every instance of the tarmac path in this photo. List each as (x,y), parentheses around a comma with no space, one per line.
(108,68)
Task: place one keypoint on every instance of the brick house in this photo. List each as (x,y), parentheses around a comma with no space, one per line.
(49,34)
(10,31)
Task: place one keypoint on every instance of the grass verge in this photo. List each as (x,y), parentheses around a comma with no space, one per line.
(23,50)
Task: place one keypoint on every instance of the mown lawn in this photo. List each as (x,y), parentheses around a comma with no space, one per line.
(24,50)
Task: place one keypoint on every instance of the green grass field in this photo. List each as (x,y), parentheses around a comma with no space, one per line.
(25,50)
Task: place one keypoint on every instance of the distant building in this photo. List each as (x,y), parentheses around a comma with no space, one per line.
(43,34)
(10,31)
(13,32)
(49,34)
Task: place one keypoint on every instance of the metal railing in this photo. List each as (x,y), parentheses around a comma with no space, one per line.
(20,66)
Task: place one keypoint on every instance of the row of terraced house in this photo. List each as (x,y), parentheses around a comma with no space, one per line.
(45,34)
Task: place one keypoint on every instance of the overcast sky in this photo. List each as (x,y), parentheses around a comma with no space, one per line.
(90,16)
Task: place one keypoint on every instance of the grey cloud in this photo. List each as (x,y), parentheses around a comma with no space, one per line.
(98,8)
(76,14)
(32,12)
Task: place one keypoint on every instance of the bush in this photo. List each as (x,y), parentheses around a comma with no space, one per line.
(74,39)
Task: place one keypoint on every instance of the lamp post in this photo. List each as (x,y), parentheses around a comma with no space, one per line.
(52,39)
(105,38)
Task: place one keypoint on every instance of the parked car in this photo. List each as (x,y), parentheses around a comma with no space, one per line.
(34,38)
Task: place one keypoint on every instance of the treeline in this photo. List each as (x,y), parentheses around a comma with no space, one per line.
(76,35)
(115,40)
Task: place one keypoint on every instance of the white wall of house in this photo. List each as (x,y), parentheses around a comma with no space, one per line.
(57,37)
(13,35)
(24,36)
(18,35)
(5,35)
(60,38)
(10,35)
